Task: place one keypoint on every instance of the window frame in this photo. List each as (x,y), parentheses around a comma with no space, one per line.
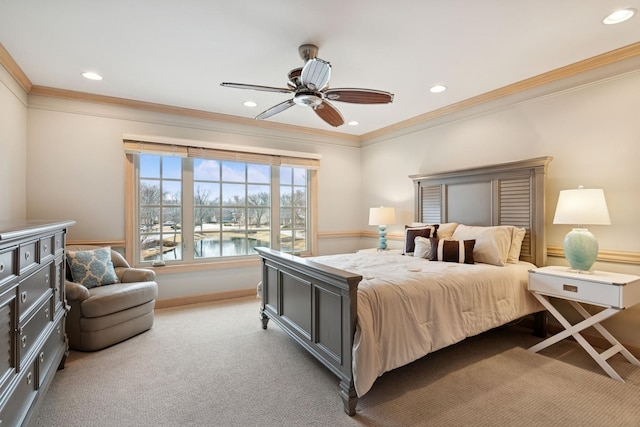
(275,158)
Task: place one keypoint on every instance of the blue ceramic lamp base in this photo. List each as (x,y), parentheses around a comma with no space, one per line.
(580,249)
(382,240)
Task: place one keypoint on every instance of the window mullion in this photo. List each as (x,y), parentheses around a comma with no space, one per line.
(188,225)
(275,207)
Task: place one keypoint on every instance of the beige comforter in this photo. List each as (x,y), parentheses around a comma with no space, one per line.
(408,307)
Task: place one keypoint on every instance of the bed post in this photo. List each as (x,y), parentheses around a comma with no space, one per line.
(349,397)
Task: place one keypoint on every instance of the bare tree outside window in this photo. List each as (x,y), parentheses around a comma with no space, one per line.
(226,211)
(160,207)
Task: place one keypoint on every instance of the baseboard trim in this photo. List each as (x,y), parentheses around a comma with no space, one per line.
(195,299)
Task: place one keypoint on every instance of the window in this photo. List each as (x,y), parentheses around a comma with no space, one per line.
(198,205)
(160,207)
(293,209)
(232,207)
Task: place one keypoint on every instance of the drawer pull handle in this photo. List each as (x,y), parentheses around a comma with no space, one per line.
(46,248)
(570,288)
(42,357)
(27,255)
(29,378)
(46,278)
(1,268)
(46,313)
(23,340)
(23,297)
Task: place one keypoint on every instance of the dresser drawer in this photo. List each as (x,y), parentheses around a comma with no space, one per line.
(50,354)
(28,255)
(47,248)
(8,264)
(31,289)
(603,294)
(30,331)
(14,409)
(58,243)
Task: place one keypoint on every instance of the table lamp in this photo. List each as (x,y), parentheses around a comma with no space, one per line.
(581,207)
(382,217)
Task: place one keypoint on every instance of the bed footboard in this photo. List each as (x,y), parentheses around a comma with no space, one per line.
(317,306)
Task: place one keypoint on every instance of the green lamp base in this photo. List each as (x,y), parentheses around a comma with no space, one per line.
(580,249)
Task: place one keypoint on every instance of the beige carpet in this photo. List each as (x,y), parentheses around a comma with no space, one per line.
(213,365)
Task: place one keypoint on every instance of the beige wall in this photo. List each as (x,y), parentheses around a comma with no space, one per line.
(76,171)
(13,149)
(592,133)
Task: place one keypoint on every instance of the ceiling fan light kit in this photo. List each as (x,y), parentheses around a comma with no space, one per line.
(310,87)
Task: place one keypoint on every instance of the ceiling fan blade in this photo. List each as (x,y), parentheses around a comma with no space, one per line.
(359,96)
(276,109)
(329,114)
(315,74)
(257,87)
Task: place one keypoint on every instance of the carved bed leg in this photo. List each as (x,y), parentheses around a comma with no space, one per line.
(349,397)
(540,324)
(264,318)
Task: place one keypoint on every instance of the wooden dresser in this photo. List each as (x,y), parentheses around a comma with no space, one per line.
(33,308)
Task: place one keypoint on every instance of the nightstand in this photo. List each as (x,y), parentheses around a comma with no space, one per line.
(613,291)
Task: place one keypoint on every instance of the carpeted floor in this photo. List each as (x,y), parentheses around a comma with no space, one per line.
(213,365)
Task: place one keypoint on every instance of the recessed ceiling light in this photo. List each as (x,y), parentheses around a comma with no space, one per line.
(249,104)
(619,16)
(91,75)
(437,89)
(353,123)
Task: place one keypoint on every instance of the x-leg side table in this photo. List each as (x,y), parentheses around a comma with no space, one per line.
(614,292)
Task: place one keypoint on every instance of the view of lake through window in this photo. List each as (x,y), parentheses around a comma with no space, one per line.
(200,208)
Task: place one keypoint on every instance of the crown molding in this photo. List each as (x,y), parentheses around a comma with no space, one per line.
(6,60)
(627,54)
(590,65)
(180,111)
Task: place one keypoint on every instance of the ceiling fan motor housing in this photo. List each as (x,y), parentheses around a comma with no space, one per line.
(308,98)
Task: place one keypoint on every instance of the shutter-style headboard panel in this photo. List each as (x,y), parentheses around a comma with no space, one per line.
(502,194)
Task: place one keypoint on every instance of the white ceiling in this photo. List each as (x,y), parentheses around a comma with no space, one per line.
(178,52)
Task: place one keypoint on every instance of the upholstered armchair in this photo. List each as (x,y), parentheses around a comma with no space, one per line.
(112,304)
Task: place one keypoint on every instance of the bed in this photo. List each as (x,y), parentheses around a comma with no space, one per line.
(367,313)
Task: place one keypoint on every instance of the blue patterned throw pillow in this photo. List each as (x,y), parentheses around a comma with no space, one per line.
(92,268)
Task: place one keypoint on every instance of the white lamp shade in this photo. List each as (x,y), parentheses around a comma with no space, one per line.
(582,206)
(382,216)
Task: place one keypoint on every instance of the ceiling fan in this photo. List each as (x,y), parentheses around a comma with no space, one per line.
(309,86)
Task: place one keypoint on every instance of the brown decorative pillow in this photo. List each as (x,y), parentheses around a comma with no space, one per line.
(410,234)
(460,251)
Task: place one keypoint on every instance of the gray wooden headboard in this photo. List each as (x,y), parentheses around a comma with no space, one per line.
(503,194)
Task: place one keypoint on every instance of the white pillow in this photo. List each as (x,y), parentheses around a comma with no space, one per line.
(492,243)
(517,237)
(445,230)
(422,248)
